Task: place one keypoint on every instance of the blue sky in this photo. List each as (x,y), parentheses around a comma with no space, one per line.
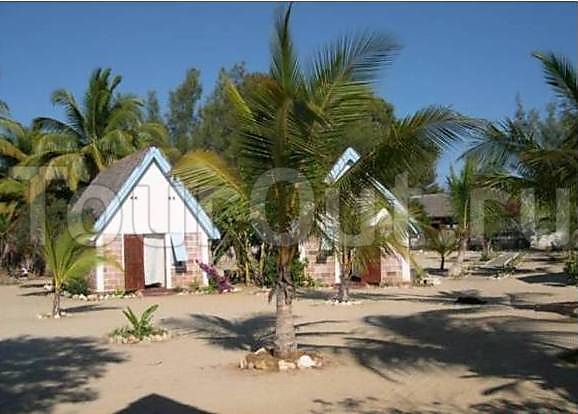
(472,56)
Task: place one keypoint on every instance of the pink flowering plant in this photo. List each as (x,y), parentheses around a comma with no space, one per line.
(220,282)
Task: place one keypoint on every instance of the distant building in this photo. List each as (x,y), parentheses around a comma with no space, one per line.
(438,208)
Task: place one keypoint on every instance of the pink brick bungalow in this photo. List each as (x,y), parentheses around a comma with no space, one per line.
(323,265)
(149,223)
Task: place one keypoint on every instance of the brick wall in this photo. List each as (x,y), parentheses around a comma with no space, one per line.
(112,246)
(391,271)
(194,249)
(323,272)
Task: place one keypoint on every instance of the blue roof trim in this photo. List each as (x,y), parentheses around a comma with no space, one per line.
(343,164)
(154,155)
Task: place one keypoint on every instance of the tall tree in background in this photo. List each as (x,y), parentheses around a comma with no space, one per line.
(182,116)
(153,108)
(219,127)
(106,126)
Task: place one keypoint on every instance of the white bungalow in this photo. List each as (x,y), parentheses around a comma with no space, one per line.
(148,221)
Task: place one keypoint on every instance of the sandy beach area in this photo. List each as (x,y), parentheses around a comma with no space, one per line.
(399,350)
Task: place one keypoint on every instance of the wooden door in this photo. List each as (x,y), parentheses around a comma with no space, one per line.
(133,262)
(372,273)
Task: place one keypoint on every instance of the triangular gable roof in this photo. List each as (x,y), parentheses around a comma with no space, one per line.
(111,187)
(346,161)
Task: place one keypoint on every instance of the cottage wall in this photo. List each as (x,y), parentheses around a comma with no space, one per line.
(390,266)
(110,276)
(193,244)
(322,271)
(391,272)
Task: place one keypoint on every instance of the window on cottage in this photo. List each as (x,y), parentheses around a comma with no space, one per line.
(322,257)
(179,252)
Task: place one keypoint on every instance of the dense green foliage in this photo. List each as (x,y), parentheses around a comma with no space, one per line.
(530,152)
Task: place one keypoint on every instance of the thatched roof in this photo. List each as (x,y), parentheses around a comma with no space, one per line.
(436,205)
(107,184)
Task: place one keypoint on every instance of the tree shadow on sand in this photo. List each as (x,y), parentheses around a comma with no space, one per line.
(556,279)
(248,334)
(488,345)
(372,405)
(157,404)
(38,373)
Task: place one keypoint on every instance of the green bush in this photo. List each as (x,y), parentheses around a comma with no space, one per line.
(77,286)
(571,267)
(297,269)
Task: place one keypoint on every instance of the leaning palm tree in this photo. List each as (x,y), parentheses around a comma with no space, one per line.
(68,255)
(105,126)
(290,122)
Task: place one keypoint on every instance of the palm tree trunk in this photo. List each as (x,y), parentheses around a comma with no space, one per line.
(285,338)
(343,294)
(458,268)
(486,247)
(443,262)
(247,277)
(56,304)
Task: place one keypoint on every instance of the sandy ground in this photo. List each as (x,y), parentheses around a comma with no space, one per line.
(401,350)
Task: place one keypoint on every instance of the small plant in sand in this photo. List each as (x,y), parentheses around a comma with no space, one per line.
(140,327)
(69,257)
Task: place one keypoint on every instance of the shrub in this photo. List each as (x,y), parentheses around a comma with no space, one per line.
(119,292)
(571,267)
(216,282)
(297,268)
(194,285)
(76,286)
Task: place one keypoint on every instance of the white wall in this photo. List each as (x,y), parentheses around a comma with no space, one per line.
(153,207)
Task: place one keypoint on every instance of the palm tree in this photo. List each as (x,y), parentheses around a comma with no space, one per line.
(443,242)
(289,124)
(461,187)
(362,233)
(17,145)
(104,127)
(523,158)
(68,255)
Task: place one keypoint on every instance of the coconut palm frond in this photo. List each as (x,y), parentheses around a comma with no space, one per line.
(208,174)
(8,149)
(560,74)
